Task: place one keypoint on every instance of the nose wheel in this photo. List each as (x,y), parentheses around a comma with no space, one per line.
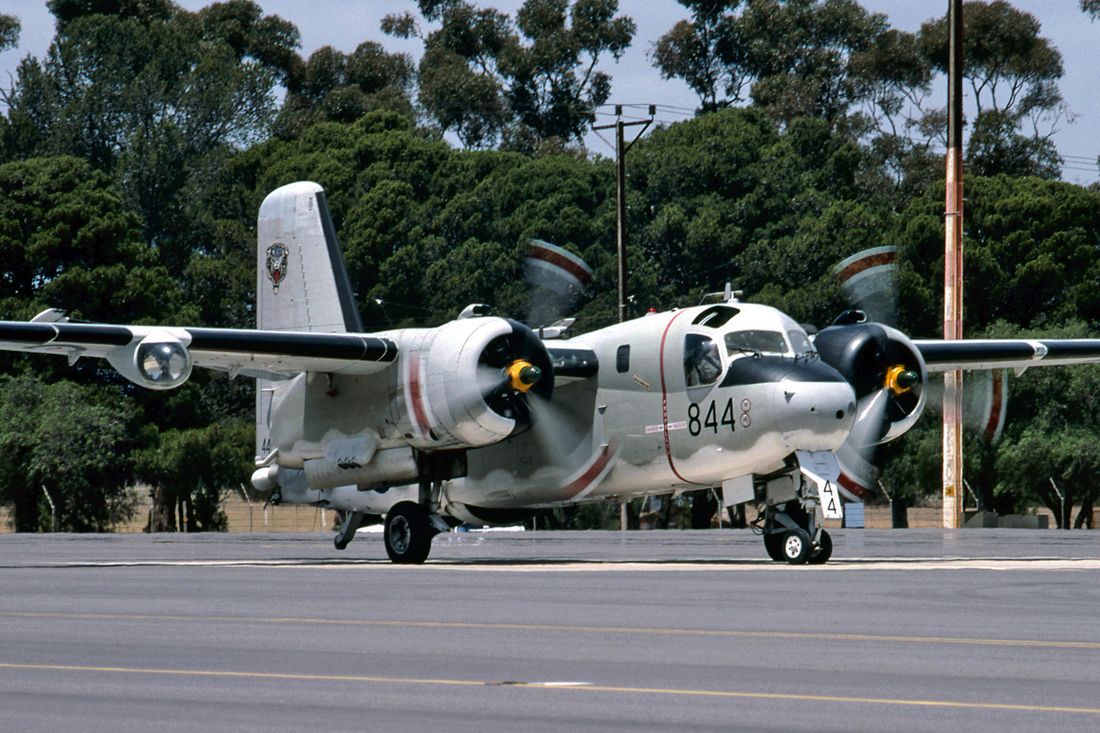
(790,536)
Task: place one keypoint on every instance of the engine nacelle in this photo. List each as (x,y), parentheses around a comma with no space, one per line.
(159,361)
(468,383)
(870,356)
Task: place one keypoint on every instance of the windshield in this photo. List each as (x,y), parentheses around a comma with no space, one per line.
(800,342)
(756,342)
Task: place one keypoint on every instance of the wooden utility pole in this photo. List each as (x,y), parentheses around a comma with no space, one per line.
(953,274)
(621,148)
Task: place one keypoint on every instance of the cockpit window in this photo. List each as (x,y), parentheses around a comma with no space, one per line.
(702,362)
(755,342)
(715,316)
(800,342)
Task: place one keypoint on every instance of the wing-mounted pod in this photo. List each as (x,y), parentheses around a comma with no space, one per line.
(469,382)
(886,371)
(159,361)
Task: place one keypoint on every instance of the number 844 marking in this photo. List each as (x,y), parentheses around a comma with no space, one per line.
(700,420)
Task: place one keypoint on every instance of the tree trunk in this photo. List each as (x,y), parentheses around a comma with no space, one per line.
(25,506)
(1084,516)
(163,517)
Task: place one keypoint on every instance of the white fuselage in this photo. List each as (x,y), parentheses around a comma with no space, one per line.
(683,399)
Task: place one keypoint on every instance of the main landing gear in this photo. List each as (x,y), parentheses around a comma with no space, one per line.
(408,533)
(791,535)
(408,529)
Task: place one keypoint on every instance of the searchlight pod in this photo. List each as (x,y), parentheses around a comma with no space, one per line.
(159,361)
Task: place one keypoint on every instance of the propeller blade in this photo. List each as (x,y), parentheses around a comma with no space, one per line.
(985,402)
(857,456)
(869,281)
(555,430)
(558,280)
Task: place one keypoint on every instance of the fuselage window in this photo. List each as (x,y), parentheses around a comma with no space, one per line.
(702,362)
(622,359)
(755,342)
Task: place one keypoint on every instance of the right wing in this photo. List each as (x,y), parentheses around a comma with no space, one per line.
(944,356)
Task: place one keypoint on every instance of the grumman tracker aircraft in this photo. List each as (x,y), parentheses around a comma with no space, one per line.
(482,420)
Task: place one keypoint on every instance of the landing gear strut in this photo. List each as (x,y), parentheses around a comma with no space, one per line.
(352,522)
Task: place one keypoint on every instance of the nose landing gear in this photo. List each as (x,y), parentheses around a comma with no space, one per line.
(787,539)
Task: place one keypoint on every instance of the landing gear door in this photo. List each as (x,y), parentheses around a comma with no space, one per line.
(821,469)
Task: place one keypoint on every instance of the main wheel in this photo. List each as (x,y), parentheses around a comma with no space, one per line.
(796,546)
(824,551)
(408,533)
(773,543)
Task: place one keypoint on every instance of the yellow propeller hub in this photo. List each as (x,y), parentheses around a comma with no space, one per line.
(523,375)
(900,380)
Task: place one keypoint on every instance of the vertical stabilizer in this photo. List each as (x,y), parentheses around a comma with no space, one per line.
(301,283)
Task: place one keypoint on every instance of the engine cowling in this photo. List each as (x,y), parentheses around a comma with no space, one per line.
(875,358)
(469,382)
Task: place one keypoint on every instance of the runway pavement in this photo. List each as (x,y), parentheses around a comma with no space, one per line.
(916,630)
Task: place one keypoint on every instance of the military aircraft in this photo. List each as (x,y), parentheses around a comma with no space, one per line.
(483,419)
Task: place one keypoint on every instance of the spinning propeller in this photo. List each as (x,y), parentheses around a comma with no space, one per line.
(886,371)
(512,367)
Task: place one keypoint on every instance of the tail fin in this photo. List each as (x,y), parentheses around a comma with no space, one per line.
(301,283)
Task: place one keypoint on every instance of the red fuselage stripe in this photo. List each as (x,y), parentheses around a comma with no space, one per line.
(581,482)
(420,416)
(664,399)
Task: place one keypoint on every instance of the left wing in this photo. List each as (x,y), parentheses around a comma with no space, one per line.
(144,353)
(943,356)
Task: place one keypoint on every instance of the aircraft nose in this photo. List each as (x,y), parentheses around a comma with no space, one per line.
(815,407)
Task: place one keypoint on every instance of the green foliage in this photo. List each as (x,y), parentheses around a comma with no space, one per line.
(1013,73)
(527,82)
(9,31)
(140,147)
(69,242)
(194,467)
(153,98)
(72,442)
(800,58)
(341,87)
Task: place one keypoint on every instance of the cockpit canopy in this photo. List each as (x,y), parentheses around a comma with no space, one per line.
(747,330)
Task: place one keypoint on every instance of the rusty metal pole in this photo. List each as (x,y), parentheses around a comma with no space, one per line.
(953,274)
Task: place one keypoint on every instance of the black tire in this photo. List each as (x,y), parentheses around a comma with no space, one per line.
(796,546)
(408,533)
(773,543)
(823,552)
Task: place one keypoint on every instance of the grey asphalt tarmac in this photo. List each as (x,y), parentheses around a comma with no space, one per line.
(916,630)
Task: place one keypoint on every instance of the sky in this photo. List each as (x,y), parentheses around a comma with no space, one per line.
(344,24)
